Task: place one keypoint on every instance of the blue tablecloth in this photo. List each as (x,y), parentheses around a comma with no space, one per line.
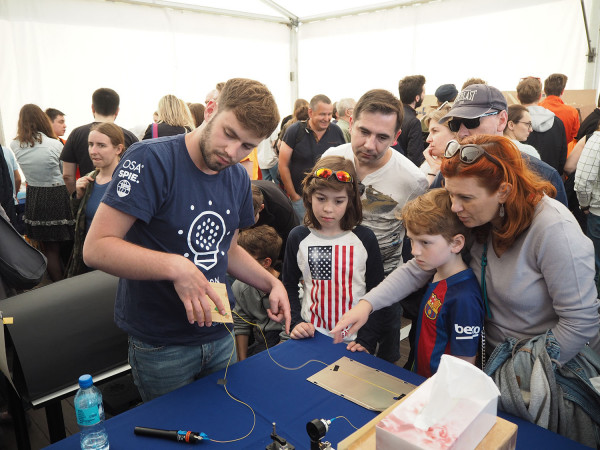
(276,395)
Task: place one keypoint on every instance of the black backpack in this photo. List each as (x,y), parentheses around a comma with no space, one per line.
(300,133)
(21,265)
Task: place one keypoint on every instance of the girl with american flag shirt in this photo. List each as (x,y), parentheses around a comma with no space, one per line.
(336,259)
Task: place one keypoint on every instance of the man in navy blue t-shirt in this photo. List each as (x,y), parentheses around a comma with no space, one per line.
(303,144)
(168,225)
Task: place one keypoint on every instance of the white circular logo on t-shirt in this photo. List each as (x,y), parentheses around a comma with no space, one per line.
(123,188)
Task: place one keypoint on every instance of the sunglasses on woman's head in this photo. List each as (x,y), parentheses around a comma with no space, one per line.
(455,122)
(341,175)
(469,153)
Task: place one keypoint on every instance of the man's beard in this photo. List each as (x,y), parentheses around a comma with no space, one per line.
(419,103)
(207,156)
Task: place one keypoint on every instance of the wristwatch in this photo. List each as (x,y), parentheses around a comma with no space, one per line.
(584,208)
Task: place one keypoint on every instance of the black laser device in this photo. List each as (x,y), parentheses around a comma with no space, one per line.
(189,437)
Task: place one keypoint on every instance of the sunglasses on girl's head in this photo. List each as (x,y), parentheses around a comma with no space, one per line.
(341,175)
(455,122)
(469,153)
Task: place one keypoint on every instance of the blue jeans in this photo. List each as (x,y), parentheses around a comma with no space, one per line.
(593,232)
(159,369)
(271,174)
(298,206)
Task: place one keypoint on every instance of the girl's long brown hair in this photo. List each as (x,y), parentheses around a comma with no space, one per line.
(32,122)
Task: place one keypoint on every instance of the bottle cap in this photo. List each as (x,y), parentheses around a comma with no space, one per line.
(85,381)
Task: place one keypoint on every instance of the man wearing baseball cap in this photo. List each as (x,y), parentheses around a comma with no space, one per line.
(482,109)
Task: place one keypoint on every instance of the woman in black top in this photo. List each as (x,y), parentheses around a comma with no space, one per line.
(174,118)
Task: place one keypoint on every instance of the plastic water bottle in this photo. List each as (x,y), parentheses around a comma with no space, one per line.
(90,415)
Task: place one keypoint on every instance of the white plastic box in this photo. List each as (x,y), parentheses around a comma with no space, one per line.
(462,420)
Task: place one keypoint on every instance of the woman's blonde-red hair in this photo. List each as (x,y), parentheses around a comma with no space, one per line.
(527,188)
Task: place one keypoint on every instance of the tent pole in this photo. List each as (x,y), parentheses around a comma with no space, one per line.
(293,62)
(293,25)
(592,69)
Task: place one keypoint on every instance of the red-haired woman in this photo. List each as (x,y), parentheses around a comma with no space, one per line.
(536,270)
(48,217)
(540,266)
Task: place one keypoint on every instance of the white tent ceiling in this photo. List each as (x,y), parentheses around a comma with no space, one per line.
(55,53)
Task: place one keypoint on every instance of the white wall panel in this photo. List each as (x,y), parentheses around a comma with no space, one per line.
(448,42)
(56,53)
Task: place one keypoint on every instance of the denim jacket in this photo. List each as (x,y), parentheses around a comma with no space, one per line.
(536,388)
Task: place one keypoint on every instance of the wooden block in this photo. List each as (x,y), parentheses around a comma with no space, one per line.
(502,436)
(221,290)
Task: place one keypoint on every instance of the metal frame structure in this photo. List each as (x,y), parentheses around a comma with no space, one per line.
(293,22)
(285,17)
(593,41)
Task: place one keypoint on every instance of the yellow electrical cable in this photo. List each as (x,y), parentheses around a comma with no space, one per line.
(232,397)
(346,419)
(312,360)
(285,368)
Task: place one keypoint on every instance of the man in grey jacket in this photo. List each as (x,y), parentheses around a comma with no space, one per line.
(548,135)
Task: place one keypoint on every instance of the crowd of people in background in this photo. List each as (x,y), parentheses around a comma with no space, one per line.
(465,216)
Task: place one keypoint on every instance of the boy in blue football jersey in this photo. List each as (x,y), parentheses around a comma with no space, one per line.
(451,313)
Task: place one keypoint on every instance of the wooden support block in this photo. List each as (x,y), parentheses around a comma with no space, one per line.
(502,436)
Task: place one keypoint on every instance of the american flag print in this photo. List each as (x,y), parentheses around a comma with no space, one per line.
(331,269)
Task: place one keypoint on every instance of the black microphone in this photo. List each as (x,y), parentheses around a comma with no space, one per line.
(189,437)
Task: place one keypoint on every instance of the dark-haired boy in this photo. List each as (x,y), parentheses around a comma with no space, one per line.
(59,126)
(251,304)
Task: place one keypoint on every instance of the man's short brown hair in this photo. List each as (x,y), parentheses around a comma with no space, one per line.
(555,84)
(380,101)
(431,214)
(53,113)
(472,81)
(252,103)
(529,90)
(319,98)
